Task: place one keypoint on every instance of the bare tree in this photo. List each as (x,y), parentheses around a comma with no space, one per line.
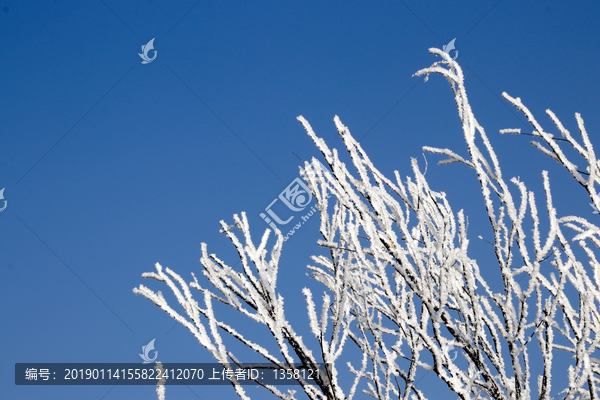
(401,287)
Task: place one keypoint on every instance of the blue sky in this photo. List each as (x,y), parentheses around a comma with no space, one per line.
(110,165)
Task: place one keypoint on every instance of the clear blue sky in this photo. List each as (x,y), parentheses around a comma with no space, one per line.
(110,165)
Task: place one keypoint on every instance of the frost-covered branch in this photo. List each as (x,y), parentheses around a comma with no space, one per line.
(400,286)
(252,294)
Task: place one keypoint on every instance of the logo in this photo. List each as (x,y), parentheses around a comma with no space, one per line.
(296,197)
(145,49)
(448,349)
(147,349)
(449,47)
(2,198)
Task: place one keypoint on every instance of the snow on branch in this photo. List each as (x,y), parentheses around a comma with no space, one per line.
(400,286)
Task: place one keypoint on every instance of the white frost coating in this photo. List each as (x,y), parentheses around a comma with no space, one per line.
(400,285)
(160,392)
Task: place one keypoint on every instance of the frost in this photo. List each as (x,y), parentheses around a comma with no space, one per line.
(400,286)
